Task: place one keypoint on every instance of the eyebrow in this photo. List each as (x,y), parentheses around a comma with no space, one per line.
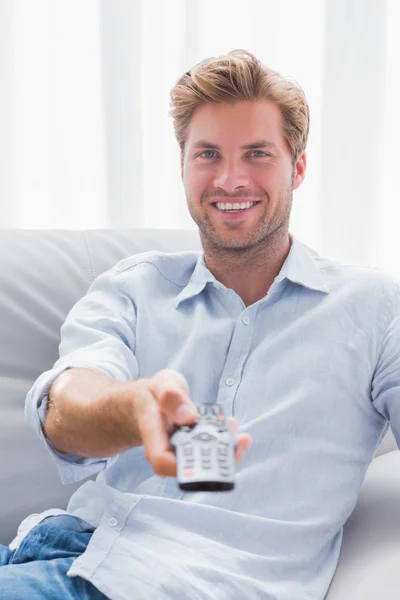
(252,146)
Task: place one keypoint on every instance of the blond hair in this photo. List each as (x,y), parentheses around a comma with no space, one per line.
(239,75)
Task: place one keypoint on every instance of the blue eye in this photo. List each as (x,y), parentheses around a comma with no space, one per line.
(260,155)
(207,151)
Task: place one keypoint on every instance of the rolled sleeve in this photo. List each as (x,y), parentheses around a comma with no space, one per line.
(98,334)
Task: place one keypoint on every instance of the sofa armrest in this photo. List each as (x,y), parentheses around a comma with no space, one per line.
(369,562)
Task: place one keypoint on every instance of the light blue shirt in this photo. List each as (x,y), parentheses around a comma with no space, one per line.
(311,371)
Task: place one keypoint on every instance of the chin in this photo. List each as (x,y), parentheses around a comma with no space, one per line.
(221,243)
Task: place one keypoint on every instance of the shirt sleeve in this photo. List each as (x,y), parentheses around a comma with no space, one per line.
(385,390)
(98,334)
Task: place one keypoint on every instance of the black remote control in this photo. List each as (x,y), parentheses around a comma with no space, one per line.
(205,452)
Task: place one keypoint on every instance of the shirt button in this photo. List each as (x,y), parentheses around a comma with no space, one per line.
(246,320)
(112,522)
(230,381)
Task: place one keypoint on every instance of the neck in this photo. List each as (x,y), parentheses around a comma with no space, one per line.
(250,272)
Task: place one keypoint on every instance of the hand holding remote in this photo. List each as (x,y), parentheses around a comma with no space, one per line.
(159,410)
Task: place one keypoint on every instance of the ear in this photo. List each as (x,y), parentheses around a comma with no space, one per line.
(299,170)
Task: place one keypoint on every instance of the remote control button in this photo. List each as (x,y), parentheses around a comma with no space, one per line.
(187,450)
(204,437)
(222,450)
(201,436)
(205,451)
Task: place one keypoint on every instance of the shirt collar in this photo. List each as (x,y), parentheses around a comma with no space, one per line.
(300,267)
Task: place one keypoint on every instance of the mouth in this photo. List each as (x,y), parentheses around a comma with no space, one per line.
(234,213)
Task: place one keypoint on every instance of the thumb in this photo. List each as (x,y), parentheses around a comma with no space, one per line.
(185,413)
(171,390)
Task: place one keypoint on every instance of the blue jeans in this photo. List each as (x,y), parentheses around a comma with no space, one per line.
(37,568)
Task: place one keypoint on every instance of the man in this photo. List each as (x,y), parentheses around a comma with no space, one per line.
(300,351)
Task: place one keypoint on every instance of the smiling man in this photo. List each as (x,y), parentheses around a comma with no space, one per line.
(301,352)
(239,174)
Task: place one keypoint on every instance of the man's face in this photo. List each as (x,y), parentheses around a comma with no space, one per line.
(217,167)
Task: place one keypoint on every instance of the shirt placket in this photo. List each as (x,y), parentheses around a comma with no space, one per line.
(236,358)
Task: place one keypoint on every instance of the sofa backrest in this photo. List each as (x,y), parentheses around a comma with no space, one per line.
(43,273)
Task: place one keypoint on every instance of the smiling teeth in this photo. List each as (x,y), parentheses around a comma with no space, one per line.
(235,206)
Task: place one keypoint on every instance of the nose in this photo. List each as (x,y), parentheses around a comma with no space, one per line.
(230,175)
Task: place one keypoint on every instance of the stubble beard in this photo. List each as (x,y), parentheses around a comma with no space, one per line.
(268,230)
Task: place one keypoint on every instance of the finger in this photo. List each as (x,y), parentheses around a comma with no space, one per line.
(244,442)
(173,378)
(171,390)
(232,422)
(154,434)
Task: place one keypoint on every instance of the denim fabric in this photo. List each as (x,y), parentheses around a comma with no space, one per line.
(37,569)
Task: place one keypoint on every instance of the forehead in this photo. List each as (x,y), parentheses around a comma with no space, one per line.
(237,123)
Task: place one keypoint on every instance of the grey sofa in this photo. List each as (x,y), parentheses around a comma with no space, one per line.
(42,274)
